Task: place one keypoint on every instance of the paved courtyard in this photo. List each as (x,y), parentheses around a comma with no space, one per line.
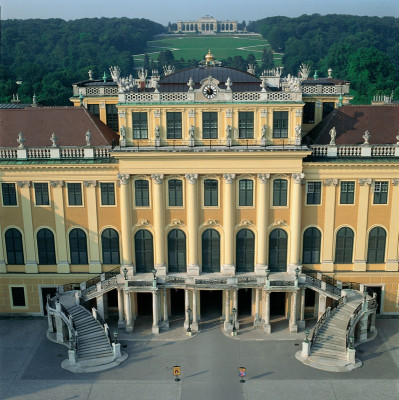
(30,368)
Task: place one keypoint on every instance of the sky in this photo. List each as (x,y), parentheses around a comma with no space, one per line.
(163,11)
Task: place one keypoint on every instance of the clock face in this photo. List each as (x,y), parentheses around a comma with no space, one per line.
(209,91)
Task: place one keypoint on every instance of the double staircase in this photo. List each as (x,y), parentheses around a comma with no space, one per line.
(94,347)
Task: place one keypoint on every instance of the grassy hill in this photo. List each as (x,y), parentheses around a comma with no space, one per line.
(196,46)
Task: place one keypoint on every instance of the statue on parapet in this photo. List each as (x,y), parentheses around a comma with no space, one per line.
(333,135)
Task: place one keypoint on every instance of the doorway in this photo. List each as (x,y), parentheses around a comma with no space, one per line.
(177,302)
(45,291)
(277,303)
(211,303)
(144,304)
(244,302)
(378,290)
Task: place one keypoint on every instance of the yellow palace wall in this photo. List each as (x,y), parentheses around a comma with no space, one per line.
(92,217)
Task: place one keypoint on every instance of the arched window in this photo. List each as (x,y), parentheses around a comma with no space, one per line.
(45,247)
(15,252)
(245,251)
(376,249)
(143,245)
(78,246)
(177,251)
(278,250)
(110,246)
(344,246)
(311,246)
(211,251)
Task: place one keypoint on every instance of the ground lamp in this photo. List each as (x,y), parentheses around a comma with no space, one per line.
(234,311)
(189,319)
(115,337)
(125,273)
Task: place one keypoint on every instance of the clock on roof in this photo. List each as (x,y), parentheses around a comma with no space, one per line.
(209,91)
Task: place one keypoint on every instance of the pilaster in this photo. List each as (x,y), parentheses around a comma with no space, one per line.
(60,236)
(159,222)
(192,224)
(361,230)
(327,264)
(155,326)
(393,234)
(262,211)
(3,268)
(228,268)
(26,205)
(295,221)
(266,312)
(126,222)
(94,262)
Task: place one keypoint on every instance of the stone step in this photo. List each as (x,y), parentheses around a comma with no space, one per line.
(93,339)
(93,352)
(329,346)
(327,354)
(331,352)
(94,347)
(334,341)
(97,357)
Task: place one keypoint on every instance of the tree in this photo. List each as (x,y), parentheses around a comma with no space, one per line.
(267,59)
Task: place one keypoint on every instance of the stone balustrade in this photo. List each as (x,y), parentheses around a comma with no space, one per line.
(376,150)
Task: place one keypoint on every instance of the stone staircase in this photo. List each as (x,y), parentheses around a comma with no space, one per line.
(94,347)
(329,343)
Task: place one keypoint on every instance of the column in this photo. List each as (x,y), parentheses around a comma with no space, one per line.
(295,221)
(186,306)
(235,305)
(266,313)
(361,230)
(60,236)
(128,313)
(159,222)
(257,301)
(126,222)
(101,305)
(192,224)
(227,323)
(228,268)
(155,326)
(165,309)
(94,251)
(294,311)
(29,238)
(322,304)
(262,211)
(393,234)
(327,264)
(301,323)
(194,325)
(3,268)
(121,322)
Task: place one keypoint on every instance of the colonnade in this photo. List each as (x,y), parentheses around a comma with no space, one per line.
(229,222)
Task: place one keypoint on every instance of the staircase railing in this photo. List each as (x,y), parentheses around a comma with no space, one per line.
(105,326)
(320,323)
(351,324)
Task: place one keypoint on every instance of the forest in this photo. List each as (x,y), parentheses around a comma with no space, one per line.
(48,55)
(364,50)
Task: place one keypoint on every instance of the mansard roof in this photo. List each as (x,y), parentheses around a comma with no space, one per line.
(68,123)
(351,121)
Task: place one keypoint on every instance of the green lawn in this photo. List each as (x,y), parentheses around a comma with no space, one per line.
(197,46)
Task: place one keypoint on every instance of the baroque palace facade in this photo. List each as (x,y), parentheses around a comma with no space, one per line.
(223,192)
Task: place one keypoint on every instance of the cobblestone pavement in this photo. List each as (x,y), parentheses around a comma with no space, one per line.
(30,368)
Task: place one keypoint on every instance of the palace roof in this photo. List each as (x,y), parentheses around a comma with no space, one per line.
(68,123)
(351,121)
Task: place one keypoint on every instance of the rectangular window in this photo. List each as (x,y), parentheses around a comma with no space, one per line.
(280,124)
(380,193)
(245,192)
(327,108)
(142,193)
(209,125)
(245,125)
(74,194)
(18,297)
(308,113)
(313,194)
(41,194)
(9,194)
(107,194)
(175,193)
(280,192)
(210,193)
(94,109)
(140,125)
(347,192)
(112,117)
(173,125)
